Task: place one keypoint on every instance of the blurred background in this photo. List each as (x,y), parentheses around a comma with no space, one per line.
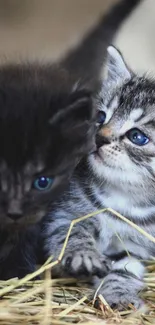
(45,29)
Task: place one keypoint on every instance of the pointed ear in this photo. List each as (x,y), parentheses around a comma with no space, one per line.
(117,69)
(76,123)
(78,109)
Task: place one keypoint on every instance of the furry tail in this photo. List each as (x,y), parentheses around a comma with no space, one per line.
(93,49)
(109,24)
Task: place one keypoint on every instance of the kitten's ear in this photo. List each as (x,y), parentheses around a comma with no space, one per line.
(117,69)
(77,109)
(76,122)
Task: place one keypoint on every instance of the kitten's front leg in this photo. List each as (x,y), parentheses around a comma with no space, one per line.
(84,261)
(81,257)
(123,284)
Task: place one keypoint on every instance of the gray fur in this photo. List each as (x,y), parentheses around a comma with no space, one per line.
(120,175)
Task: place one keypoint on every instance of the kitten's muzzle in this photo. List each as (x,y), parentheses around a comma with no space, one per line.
(101,141)
(14,209)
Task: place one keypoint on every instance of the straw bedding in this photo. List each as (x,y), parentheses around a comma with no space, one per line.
(65,302)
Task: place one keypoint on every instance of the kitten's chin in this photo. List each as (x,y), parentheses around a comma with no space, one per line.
(98,160)
(100,166)
(96,163)
(96,157)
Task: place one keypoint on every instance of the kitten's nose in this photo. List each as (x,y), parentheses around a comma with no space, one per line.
(14,216)
(14,209)
(100,141)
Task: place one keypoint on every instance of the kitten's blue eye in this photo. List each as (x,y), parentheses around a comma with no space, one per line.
(101,117)
(43,183)
(137,137)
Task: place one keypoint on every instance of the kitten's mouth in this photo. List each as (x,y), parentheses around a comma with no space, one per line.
(18,225)
(99,158)
(97,155)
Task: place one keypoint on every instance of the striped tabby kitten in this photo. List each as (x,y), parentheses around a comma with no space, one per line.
(119,175)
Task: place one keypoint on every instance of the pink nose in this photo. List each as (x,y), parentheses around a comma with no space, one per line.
(105,131)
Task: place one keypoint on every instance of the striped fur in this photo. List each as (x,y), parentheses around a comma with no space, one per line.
(120,175)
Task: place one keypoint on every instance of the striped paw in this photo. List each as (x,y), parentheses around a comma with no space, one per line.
(122,290)
(86,263)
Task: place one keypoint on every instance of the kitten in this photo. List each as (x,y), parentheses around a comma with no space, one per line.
(47,124)
(119,175)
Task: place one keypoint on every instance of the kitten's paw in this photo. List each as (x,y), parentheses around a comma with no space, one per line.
(86,263)
(120,294)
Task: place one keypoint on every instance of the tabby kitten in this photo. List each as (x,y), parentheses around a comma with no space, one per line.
(46,126)
(119,175)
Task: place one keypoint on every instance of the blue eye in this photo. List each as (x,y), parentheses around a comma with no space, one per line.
(43,183)
(137,137)
(101,117)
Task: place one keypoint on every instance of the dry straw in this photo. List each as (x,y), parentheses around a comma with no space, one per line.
(64,302)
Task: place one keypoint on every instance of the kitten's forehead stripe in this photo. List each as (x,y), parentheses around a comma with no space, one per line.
(138,93)
(27,185)
(126,127)
(136,114)
(33,167)
(150,123)
(114,103)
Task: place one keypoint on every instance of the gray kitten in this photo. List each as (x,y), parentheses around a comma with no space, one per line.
(119,175)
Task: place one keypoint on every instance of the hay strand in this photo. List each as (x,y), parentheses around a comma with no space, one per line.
(62,302)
